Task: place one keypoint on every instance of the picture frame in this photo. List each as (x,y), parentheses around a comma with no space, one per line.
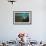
(22,17)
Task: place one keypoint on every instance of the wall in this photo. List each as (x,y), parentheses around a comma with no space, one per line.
(9,31)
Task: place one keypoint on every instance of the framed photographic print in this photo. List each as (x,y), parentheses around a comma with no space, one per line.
(22,17)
